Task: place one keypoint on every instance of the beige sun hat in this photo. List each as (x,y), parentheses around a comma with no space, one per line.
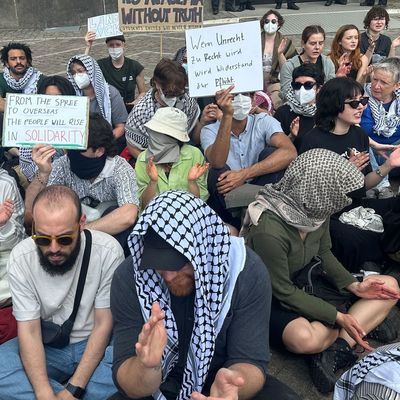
(170,121)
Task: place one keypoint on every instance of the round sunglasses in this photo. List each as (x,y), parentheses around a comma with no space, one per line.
(273,21)
(355,103)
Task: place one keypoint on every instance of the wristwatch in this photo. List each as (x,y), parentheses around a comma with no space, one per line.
(76,391)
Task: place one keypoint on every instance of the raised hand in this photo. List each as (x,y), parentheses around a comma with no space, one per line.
(294,127)
(360,160)
(210,113)
(151,170)
(282,46)
(152,339)
(6,210)
(197,171)
(89,37)
(344,65)
(42,155)
(224,100)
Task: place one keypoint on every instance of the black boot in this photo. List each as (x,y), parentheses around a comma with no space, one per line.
(231,8)
(382,3)
(385,332)
(242,7)
(249,6)
(292,6)
(342,2)
(328,3)
(345,356)
(215,11)
(278,5)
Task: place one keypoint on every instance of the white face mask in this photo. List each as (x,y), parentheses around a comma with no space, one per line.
(241,107)
(115,52)
(82,80)
(169,101)
(305,96)
(270,28)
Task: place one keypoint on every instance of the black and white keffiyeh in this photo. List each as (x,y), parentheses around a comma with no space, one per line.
(135,130)
(385,123)
(27,84)
(307,110)
(100,86)
(196,231)
(381,367)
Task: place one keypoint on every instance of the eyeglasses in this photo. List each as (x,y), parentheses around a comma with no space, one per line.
(45,240)
(355,103)
(307,85)
(273,21)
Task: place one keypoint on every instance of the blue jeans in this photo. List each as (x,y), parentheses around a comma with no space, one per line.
(61,364)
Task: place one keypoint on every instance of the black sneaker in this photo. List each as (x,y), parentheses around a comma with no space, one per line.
(345,356)
(322,370)
(385,332)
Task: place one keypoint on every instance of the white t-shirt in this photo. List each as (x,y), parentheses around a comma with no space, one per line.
(36,294)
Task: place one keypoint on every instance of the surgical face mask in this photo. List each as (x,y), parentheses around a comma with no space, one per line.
(82,80)
(115,52)
(270,28)
(169,101)
(241,107)
(305,96)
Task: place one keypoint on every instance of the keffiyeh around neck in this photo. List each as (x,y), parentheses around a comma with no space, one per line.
(196,231)
(314,187)
(385,123)
(308,110)
(27,84)
(100,86)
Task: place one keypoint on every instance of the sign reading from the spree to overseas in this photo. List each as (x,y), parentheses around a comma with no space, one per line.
(220,56)
(159,15)
(104,25)
(61,121)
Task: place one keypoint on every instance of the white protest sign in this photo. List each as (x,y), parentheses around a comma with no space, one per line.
(105,25)
(61,121)
(220,56)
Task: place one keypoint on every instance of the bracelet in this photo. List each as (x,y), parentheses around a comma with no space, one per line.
(379,172)
(40,180)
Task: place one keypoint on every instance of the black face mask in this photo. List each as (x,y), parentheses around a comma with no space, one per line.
(85,167)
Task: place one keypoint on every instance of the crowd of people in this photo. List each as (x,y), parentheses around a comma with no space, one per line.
(161,261)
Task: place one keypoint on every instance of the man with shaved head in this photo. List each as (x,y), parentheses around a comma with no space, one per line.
(45,273)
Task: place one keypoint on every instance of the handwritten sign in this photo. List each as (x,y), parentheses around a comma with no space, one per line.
(220,56)
(160,15)
(104,25)
(61,121)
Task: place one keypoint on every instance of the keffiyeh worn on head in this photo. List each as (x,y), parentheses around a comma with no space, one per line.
(27,84)
(196,231)
(314,186)
(385,123)
(307,110)
(98,82)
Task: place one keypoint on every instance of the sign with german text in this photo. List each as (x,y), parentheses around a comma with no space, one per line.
(159,15)
(104,25)
(220,56)
(61,121)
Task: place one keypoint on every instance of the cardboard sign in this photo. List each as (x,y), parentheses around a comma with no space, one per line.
(61,121)
(220,56)
(159,15)
(104,25)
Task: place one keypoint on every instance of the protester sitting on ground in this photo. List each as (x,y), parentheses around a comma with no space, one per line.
(289,227)
(242,148)
(60,354)
(312,42)
(276,50)
(381,118)
(169,162)
(345,53)
(18,75)
(167,90)
(184,298)
(373,44)
(12,231)
(87,79)
(340,104)
(297,115)
(104,182)
(51,85)
(119,71)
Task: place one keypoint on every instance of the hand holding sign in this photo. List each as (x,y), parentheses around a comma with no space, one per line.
(42,156)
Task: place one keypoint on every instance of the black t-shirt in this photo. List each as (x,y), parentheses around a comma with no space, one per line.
(355,139)
(243,337)
(381,50)
(285,116)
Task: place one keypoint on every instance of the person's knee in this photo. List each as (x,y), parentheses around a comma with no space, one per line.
(298,339)
(389,281)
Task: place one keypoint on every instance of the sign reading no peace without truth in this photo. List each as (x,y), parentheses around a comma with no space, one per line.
(61,121)
(220,56)
(159,15)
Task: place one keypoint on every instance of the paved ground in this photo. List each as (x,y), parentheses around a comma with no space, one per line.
(53,48)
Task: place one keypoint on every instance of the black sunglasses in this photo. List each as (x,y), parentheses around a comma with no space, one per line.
(355,103)
(307,85)
(273,21)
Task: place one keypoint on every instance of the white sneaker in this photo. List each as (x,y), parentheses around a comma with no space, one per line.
(386,193)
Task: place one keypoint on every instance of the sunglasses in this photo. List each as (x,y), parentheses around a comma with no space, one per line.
(45,240)
(273,21)
(355,103)
(307,85)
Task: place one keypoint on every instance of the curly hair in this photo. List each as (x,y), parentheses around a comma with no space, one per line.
(337,50)
(101,135)
(330,100)
(16,46)
(170,75)
(63,84)
(374,12)
(268,13)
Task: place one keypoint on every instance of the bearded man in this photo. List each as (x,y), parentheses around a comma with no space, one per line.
(44,276)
